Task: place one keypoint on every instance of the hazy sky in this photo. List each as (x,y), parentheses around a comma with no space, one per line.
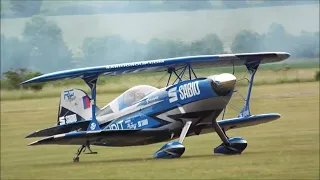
(186,26)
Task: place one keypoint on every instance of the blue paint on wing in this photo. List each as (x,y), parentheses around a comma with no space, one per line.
(202,61)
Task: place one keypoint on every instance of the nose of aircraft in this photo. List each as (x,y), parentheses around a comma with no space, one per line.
(223,83)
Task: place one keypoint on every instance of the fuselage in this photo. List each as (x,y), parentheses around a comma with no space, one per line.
(199,101)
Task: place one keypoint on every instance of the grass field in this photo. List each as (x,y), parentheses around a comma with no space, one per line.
(284,149)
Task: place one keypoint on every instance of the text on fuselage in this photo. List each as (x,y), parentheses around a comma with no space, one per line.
(189,90)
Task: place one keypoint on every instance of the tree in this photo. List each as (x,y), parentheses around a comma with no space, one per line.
(13,78)
(158,49)
(25,8)
(277,39)
(138,6)
(307,45)
(48,52)
(190,5)
(110,49)
(14,53)
(246,41)
(234,3)
(210,44)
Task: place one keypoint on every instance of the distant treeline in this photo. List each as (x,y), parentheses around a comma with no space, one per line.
(43,49)
(28,8)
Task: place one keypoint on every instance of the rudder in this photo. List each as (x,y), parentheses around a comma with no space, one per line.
(74,106)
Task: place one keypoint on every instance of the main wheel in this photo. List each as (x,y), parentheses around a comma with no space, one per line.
(236,146)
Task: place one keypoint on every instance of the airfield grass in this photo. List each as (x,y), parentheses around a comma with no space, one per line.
(287,148)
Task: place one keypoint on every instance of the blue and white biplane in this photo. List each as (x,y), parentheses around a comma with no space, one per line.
(144,114)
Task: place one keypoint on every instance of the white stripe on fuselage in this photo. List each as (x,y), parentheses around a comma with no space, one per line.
(182,110)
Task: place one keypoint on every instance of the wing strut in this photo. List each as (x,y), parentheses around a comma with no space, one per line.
(170,70)
(252,67)
(181,74)
(92,83)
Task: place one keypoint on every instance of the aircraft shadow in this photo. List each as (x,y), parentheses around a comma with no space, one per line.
(141,159)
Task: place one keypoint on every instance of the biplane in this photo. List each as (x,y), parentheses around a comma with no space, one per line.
(144,114)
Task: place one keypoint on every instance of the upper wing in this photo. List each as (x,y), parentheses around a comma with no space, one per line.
(163,64)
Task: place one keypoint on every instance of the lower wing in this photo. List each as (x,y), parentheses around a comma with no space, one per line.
(107,137)
(234,123)
(142,136)
(248,121)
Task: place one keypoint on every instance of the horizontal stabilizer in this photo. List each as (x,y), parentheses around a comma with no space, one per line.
(79,125)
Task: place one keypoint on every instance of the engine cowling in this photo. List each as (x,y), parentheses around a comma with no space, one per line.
(222,84)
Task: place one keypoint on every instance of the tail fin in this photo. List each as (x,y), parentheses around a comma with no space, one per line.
(74,106)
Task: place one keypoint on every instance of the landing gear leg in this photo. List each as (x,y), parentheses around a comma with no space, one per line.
(220,132)
(76,158)
(230,146)
(91,152)
(224,132)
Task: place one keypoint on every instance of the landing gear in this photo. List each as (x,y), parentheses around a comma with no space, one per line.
(174,149)
(83,149)
(91,152)
(224,132)
(234,145)
(220,132)
(76,158)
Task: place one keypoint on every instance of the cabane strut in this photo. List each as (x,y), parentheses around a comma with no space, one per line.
(179,76)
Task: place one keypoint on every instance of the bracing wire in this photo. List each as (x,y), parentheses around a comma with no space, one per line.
(162,78)
(234,107)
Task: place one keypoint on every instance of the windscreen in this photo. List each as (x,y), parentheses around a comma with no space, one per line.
(134,95)
(128,98)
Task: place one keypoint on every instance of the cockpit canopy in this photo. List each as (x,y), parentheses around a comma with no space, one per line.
(133,95)
(128,98)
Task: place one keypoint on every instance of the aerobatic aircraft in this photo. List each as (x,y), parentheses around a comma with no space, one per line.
(144,114)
